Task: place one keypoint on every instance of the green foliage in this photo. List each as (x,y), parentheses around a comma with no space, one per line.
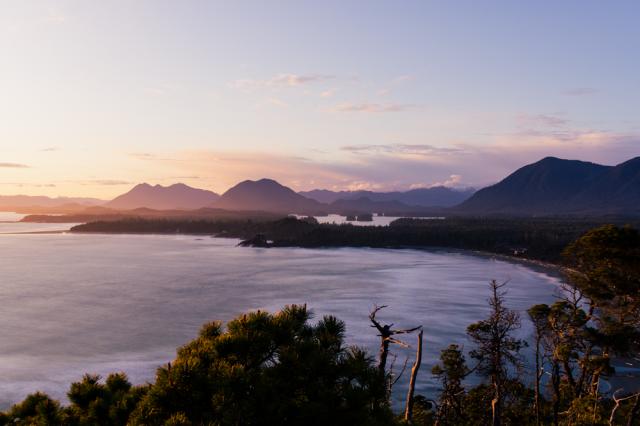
(36,409)
(96,403)
(496,349)
(451,373)
(605,266)
(268,369)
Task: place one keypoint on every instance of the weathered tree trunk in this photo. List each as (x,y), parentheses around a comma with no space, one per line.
(384,353)
(496,406)
(408,412)
(634,412)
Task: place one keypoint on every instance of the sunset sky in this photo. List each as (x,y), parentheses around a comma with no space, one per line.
(98,96)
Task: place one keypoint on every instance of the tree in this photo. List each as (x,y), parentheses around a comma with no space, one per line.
(605,265)
(387,334)
(450,372)
(36,409)
(268,369)
(496,349)
(539,317)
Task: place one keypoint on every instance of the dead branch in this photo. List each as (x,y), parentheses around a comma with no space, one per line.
(618,401)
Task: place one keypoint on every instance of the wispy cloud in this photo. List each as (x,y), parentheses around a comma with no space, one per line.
(28,185)
(394,84)
(402,79)
(50,149)
(400,166)
(149,156)
(54,16)
(273,102)
(372,107)
(280,81)
(13,166)
(541,120)
(106,182)
(328,93)
(580,91)
(415,149)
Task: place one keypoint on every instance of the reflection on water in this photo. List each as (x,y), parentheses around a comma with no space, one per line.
(376,220)
(101,303)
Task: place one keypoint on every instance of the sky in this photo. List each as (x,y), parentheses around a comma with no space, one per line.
(98,96)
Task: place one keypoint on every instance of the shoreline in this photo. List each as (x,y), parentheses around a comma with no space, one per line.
(482,253)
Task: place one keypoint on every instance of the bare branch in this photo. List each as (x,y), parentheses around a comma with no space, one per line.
(404,367)
(406,331)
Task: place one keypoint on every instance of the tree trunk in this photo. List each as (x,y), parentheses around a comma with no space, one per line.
(408,413)
(634,412)
(384,352)
(495,407)
(537,395)
(555,379)
(569,373)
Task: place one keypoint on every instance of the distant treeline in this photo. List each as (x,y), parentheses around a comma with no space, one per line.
(537,239)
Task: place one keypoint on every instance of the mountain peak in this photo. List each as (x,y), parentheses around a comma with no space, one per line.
(550,159)
(267,195)
(177,196)
(554,186)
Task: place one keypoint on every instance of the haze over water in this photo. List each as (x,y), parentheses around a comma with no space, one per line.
(75,304)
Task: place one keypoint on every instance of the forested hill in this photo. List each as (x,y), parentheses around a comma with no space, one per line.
(553,186)
(537,239)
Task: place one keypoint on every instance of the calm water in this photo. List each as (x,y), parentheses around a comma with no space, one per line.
(9,224)
(72,304)
(377,220)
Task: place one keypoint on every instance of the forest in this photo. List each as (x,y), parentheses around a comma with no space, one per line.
(282,368)
(541,239)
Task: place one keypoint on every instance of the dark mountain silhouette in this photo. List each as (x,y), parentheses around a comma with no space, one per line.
(158,197)
(554,186)
(616,192)
(269,196)
(438,196)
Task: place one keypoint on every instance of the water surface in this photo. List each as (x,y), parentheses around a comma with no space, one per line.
(73,304)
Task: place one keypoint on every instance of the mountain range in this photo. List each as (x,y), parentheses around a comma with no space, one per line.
(549,187)
(553,186)
(158,197)
(42,204)
(437,196)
